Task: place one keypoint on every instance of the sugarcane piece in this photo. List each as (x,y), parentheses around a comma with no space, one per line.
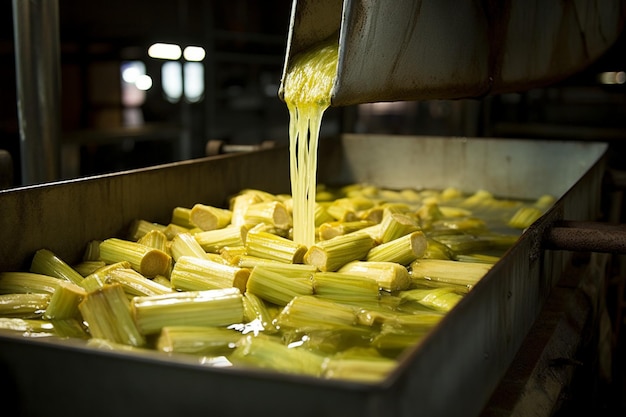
(274,213)
(185,244)
(453,272)
(462,242)
(188,308)
(197,340)
(332,229)
(330,255)
(404,331)
(181,216)
(307,313)
(27,327)
(98,278)
(86,268)
(345,287)
(321,215)
(231,254)
(270,246)
(27,282)
(195,274)
(390,276)
(108,315)
(140,227)
(135,284)
(255,309)
(437,250)
(23,305)
(402,250)
(396,225)
(279,286)
(64,302)
(213,241)
(374,369)
(239,205)
(147,261)
(155,239)
(210,217)
(47,263)
(468,224)
(163,280)
(440,299)
(171,230)
(477,257)
(270,353)
(92,251)
(524,217)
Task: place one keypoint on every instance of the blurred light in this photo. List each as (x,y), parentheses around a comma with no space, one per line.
(172,80)
(612,77)
(130,74)
(194,53)
(165,51)
(194,81)
(143,82)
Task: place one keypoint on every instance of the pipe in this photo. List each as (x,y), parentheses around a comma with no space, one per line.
(37,62)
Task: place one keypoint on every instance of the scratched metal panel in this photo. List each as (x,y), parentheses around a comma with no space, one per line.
(476,342)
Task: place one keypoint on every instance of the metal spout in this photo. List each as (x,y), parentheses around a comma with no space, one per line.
(394,50)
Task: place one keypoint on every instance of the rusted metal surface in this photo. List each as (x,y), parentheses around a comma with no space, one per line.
(391,50)
(587,237)
(476,341)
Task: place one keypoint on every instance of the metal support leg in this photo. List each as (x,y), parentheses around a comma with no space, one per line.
(37,60)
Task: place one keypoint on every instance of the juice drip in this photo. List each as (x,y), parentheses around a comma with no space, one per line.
(307,93)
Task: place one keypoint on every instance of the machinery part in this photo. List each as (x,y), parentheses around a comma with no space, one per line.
(38,68)
(6,169)
(219,147)
(392,50)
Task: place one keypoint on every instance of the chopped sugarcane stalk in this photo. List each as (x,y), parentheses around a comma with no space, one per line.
(135,284)
(441,299)
(197,340)
(92,251)
(277,286)
(140,227)
(147,261)
(270,353)
(210,217)
(274,213)
(86,268)
(185,244)
(108,315)
(171,230)
(330,255)
(345,287)
(390,276)
(453,272)
(24,305)
(307,312)
(195,274)
(270,246)
(213,241)
(255,309)
(374,369)
(47,263)
(396,225)
(155,239)
(64,302)
(402,250)
(188,308)
(332,229)
(181,216)
(27,282)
